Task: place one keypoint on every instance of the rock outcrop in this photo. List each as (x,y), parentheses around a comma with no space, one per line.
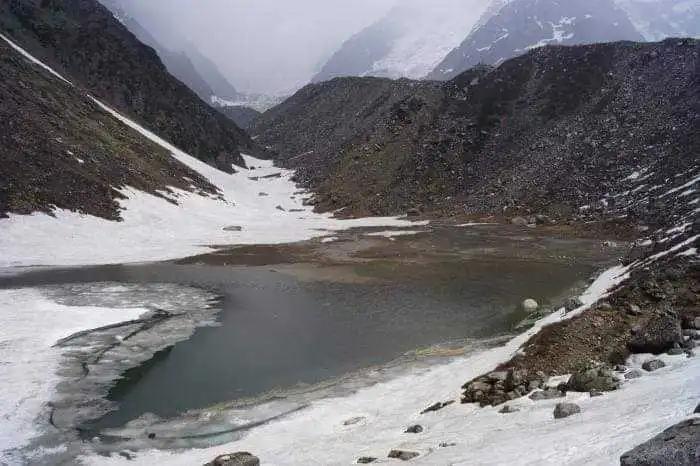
(498,387)
(241,458)
(598,378)
(676,446)
(562,410)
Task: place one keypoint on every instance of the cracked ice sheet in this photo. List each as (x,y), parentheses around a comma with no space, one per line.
(30,326)
(607,427)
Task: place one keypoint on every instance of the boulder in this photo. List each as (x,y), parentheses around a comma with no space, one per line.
(403,455)
(658,335)
(653,364)
(598,378)
(366,460)
(353,420)
(530,305)
(697,409)
(562,410)
(437,406)
(633,374)
(620,368)
(676,446)
(546,394)
(241,458)
(519,221)
(595,394)
(508,410)
(572,303)
(416,429)
(499,387)
(675,351)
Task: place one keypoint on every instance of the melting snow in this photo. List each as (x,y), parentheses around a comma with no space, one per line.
(607,426)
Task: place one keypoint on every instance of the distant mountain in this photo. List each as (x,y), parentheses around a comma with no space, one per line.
(521,25)
(185,62)
(409,41)
(558,129)
(658,19)
(84,40)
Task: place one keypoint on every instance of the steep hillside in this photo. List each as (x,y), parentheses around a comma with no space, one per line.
(522,25)
(560,130)
(60,150)
(83,38)
(409,41)
(241,115)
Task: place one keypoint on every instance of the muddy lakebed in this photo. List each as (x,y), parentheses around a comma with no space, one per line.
(285,324)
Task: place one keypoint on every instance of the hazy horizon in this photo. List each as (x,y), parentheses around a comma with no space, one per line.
(261,46)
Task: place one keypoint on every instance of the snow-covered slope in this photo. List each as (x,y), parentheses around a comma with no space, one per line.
(658,19)
(155,229)
(408,42)
(525,24)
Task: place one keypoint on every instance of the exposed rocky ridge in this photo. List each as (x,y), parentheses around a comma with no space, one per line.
(577,132)
(60,150)
(524,24)
(83,38)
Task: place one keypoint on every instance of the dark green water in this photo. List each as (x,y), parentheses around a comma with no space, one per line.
(278,332)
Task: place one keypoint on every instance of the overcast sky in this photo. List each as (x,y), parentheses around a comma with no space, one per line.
(261,45)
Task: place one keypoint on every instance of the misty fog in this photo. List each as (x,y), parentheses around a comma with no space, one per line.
(262,46)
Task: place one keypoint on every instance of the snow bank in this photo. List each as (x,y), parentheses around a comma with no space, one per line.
(31,325)
(607,427)
(154,229)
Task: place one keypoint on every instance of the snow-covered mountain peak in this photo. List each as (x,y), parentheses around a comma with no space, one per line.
(407,42)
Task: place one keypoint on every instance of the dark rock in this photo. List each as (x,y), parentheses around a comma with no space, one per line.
(620,368)
(447,444)
(658,335)
(366,460)
(413,212)
(675,351)
(678,445)
(519,221)
(572,303)
(403,455)
(241,458)
(563,410)
(279,207)
(595,394)
(697,409)
(633,374)
(416,429)
(437,406)
(598,378)
(151,435)
(547,394)
(653,365)
(354,420)
(508,409)
(233,228)
(263,194)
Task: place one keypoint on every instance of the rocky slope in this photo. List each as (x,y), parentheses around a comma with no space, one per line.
(60,150)
(568,131)
(525,24)
(407,42)
(84,39)
(243,116)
